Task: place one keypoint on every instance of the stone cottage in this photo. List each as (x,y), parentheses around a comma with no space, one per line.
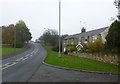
(86,37)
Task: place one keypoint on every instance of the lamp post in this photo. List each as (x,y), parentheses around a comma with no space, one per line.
(15,39)
(59,26)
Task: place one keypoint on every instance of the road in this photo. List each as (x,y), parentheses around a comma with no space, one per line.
(28,67)
(21,67)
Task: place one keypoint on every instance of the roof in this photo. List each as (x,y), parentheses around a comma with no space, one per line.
(85,34)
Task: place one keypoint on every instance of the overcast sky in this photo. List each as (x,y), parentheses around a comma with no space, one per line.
(40,14)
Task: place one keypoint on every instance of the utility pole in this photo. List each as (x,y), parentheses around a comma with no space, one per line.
(59,26)
(15,39)
(117,4)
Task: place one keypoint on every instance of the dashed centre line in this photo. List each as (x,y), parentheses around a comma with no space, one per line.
(7,65)
(25,58)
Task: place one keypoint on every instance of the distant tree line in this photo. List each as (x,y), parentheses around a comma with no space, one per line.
(15,35)
(51,38)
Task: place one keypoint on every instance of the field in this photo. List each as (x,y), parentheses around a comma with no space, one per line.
(79,63)
(9,51)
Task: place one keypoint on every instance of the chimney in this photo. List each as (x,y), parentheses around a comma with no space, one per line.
(83,30)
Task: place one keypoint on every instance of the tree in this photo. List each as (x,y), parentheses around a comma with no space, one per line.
(22,33)
(49,37)
(8,35)
(113,39)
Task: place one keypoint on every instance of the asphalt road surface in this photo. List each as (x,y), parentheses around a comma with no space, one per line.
(28,67)
(21,67)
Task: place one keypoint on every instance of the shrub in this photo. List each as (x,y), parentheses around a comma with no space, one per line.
(96,46)
(56,48)
(71,48)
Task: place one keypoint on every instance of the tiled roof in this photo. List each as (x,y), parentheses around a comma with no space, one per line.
(85,34)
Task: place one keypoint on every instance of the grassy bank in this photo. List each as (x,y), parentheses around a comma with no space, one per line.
(9,51)
(78,63)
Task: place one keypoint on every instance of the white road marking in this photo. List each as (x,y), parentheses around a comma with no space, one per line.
(21,58)
(32,52)
(27,55)
(17,60)
(24,58)
(5,64)
(9,65)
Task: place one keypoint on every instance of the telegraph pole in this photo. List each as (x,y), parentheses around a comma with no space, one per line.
(59,26)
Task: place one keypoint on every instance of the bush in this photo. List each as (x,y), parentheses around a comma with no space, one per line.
(56,48)
(71,48)
(94,47)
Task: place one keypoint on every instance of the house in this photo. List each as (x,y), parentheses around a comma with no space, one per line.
(86,37)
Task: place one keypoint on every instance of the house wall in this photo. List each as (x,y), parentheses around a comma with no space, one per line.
(104,34)
(65,42)
(89,38)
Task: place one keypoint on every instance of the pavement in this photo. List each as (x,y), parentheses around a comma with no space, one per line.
(47,73)
(29,67)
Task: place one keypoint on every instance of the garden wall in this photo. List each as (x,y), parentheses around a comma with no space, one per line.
(107,58)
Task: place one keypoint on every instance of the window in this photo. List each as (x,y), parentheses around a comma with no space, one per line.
(94,38)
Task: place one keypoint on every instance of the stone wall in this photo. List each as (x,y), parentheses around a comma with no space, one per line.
(107,58)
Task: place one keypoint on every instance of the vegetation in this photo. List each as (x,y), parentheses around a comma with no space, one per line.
(113,39)
(9,51)
(71,48)
(50,38)
(94,47)
(78,63)
(18,34)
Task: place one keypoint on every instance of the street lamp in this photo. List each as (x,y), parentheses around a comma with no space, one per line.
(59,25)
(15,39)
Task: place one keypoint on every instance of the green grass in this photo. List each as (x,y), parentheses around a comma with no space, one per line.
(9,51)
(79,63)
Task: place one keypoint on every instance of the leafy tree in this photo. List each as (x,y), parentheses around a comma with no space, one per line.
(113,39)
(20,32)
(8,35)
(23,31)
(49,37)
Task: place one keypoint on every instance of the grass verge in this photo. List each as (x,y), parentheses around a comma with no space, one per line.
(9,51)
(79,63)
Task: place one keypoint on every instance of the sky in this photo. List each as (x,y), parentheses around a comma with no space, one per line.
(40,15)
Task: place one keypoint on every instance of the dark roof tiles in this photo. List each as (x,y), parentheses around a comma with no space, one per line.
(85,34)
